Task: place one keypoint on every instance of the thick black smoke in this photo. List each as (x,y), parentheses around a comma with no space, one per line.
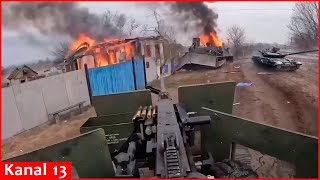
(193,15)
(63,18)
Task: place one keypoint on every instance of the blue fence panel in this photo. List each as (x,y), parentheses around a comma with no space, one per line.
(139,72)
(165,69)
(172,67)
(111,79)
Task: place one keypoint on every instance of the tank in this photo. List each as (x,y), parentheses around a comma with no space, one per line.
(275,59)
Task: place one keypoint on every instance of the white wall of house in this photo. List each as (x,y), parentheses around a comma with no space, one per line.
(151,69)
(27,105)
(89,60)
(152,61)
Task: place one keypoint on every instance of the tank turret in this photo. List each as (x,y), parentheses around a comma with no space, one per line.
(274,53)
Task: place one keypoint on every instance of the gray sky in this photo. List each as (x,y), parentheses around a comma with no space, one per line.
(262,21)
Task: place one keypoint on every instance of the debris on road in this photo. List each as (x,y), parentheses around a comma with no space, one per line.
(191,113)
(243,84)
(236,104)
(237,67)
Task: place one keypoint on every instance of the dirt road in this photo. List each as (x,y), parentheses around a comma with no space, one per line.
(285,99)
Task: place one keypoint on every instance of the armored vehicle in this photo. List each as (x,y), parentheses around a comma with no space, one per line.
(275,59)
(208,55)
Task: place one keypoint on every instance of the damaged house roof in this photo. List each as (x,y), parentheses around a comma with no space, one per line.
(26,70)
(82,49)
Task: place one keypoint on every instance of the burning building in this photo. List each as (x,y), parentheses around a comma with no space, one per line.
(206,50)
(86,50)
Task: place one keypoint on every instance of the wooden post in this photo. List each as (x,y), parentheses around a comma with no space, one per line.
(134,74)
(57,119)
(88,81)
(144,71)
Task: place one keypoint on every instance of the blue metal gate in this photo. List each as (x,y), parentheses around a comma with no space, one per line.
(123,77)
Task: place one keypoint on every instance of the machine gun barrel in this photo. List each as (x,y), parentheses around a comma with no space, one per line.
(153,90)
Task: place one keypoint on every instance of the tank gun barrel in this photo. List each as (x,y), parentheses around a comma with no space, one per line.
(301,52)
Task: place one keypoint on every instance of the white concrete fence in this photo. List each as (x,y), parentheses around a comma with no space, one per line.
(27,105)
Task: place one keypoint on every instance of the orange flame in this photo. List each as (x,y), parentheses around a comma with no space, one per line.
(101,60)
(104,52)
(210,38)
(129,50)
(82,38)
(113,59)
(114,41)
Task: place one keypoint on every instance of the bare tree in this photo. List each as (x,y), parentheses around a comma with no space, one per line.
(120,21)
(60,51)
(155,29)
(144,29)
(161,29)
(108,18)
(165,32)
(123,23)
(237,36)
(304,24)
(133,25)
(113,19)
(127,25)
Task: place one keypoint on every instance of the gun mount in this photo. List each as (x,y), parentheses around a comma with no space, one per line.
(275,59)
(164,135)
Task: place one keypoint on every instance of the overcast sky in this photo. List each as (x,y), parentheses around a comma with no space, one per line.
(262,21)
